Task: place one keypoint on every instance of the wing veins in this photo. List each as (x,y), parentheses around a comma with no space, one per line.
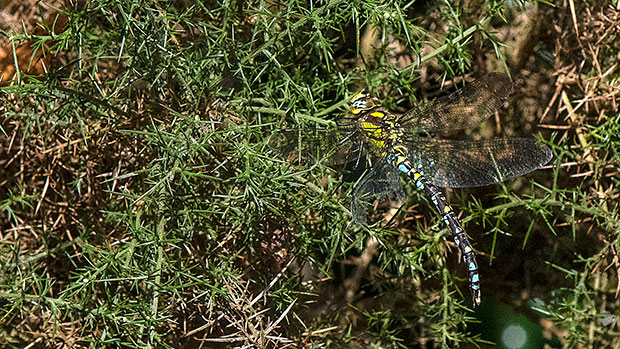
(464,108)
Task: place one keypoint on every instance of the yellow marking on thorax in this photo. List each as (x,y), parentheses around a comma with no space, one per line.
(378,144)
(378,114)
(372,130)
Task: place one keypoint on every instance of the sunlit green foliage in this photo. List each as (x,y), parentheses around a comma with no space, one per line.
(140,206)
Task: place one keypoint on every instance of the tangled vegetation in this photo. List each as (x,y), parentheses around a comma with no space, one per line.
(140,206)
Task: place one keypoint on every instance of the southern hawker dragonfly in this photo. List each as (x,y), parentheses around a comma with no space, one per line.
(399,143)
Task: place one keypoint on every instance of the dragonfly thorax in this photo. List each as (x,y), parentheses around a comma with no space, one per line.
(381,131)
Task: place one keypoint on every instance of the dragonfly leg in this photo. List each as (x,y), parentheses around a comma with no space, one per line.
(359,157)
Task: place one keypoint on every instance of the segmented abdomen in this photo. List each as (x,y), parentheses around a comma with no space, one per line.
(399,160)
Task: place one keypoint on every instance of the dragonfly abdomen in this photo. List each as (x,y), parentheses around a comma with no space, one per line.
(399,160)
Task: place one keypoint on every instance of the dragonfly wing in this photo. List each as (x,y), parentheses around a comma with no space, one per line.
(454,164)
(378,184)
(464,108)
(339,145)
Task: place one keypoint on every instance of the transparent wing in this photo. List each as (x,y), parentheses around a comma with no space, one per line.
(340,145)
(454,164)
(380,183)
(464,108)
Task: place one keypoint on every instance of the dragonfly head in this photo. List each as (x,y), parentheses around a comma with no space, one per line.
(362,102)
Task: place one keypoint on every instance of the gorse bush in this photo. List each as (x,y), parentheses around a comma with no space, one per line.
(140,205)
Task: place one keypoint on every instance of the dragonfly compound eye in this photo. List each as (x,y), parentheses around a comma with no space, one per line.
(361,102)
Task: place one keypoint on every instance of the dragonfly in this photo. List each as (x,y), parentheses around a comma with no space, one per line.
(403,144)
